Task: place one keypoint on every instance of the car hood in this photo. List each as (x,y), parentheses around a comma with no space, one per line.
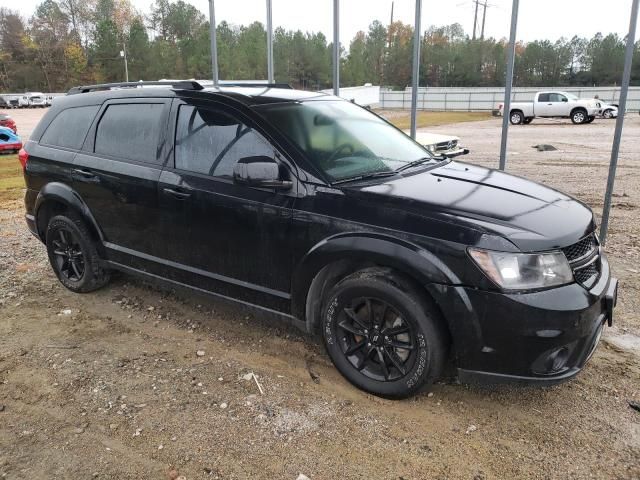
(427,138)
(531,216)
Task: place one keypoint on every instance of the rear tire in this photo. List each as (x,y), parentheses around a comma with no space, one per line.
(579,116)
(73,254)
(516,117)
(382,334)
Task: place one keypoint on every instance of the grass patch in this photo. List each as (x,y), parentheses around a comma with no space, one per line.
(11,178)
(402,119)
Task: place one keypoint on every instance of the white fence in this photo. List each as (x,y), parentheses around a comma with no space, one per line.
(367,95)
(473,99)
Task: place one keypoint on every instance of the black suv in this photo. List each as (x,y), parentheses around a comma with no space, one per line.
(320,211)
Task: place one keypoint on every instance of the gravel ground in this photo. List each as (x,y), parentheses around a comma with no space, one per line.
(137,382)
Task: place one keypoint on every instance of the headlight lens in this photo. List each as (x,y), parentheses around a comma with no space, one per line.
(520,271)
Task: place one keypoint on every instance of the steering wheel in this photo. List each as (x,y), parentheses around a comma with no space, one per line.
(338,150)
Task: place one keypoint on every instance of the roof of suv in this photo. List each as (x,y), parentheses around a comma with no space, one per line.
(249,96)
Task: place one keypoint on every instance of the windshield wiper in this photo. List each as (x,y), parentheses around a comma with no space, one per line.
(415,163)
(365,177)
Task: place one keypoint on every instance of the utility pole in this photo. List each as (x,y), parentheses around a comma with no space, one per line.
(214,44)
(123,54)
(336,47)
(622,107)
(484,17)
(269,43)
(417,37)
(475,20)
(387,48)
(506,109)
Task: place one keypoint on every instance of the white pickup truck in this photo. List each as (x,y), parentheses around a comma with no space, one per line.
(555,104)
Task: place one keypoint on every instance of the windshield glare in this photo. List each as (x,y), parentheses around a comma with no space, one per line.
(344,140)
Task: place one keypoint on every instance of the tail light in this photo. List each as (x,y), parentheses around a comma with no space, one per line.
(23,156)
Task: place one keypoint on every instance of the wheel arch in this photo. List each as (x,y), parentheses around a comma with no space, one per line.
(56,198)
(334,258)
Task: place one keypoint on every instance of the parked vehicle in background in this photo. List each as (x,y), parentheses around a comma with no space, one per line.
(36,99)
(8,122)
(608,110)
(555,105)
(438,144)
(23,101)
(6,102)
(9,141)
(315,209)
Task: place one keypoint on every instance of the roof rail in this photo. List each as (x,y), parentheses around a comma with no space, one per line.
(255,84)
(178,84)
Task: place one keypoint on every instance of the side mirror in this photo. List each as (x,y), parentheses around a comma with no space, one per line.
(261,172)
(565,99)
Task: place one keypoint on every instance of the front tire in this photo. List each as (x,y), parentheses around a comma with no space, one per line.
(73,255)
(382,334)
(607,113)
(579,116)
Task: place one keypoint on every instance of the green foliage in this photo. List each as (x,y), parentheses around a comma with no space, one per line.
(67,42)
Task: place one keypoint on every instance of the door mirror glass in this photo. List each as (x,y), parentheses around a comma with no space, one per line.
(565,99)
(259,171)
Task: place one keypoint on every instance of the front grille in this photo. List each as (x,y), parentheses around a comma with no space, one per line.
(583,248)
(444,146)
(584,259)
(587,274)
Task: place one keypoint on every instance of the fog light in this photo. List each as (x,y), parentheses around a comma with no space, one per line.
(556,360)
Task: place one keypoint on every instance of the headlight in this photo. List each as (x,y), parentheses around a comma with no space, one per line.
(520,271)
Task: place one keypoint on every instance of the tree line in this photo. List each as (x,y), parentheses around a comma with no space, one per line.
(71,42)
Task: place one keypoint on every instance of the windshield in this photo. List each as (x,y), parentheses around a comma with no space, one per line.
(344,140)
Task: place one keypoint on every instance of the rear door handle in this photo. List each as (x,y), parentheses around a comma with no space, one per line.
(180,194)
(84,173)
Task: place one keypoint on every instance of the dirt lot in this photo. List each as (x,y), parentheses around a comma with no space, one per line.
(111,385)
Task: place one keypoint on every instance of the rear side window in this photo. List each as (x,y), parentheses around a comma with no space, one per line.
(543,97)
(130,131)
(211,142)
(69,127)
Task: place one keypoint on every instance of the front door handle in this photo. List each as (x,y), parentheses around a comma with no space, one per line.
(179,194)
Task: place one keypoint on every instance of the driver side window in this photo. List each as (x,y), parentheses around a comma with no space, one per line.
(556,97)
(211,142)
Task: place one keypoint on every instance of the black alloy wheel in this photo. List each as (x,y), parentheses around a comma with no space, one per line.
(73,254)
(383,333)
(70,261)
(376,340)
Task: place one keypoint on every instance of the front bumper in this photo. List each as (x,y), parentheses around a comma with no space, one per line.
(543,337)
(454,152)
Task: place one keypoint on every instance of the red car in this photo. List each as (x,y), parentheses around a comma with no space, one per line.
(7,121)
